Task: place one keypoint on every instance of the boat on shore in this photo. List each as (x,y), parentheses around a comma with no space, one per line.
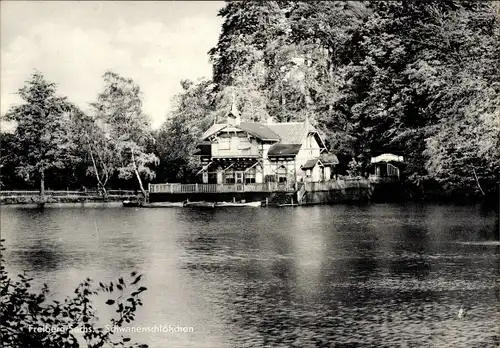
(200,204)
(238,204)
(287,205)
(132,203)
(164,205)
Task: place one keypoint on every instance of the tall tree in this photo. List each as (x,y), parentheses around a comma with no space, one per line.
(462,154)
(373,76)
(42,129)
(281,53)
(193,113)
(97,151)
(119,113)
(462,148)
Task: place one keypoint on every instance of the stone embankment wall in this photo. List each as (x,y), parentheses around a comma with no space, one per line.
(339,191)
(337,196)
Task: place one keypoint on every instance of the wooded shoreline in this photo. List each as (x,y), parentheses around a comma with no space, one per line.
(416,79)
(489,202)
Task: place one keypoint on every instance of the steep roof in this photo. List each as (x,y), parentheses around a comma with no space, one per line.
(309,164)
(291,132)
(215,128)
(259,130)
(279,150)
(387,157)
(285,133)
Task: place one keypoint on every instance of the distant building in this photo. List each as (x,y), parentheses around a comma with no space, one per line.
(386,167)
(252,152)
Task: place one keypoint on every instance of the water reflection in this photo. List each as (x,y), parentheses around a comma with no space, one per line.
(343,276)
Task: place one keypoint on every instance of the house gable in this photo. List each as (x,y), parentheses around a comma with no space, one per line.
(213,130)
(295,141)
(234,143)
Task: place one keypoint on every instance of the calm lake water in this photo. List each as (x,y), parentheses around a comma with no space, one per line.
(324,276)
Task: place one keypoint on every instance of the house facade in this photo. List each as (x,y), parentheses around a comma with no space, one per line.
(236,152)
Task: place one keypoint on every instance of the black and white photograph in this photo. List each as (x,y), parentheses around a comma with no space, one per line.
(250,174)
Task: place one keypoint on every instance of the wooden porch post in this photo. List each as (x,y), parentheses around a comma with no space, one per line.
(295,169)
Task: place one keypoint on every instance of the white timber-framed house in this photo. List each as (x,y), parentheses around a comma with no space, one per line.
(235,152)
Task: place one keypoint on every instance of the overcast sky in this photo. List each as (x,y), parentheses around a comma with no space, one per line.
(73,43)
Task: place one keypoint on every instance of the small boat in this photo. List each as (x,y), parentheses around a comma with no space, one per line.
(238,204)
(200,204)
(128,203)
(164,205)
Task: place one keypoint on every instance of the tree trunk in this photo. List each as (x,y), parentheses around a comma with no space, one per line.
(42,187)
(140,182)
(100,183)
(477,181)
(101,190)
(42,183)
(104,192)
(139,178)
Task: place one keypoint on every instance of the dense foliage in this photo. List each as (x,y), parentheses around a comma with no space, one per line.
(119,113)
(421,79)
(42,130)
(29,320)
(57,142)
(416,78)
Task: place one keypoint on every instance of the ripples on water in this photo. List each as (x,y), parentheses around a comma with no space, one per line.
(338,276)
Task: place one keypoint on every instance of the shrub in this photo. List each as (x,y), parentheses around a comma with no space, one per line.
(25,315)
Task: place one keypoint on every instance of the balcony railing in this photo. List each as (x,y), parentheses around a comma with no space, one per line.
(222,188)
(260,187)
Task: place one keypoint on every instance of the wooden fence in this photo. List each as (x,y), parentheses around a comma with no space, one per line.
(62,193)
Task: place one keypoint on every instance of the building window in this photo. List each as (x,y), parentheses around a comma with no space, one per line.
(230,178)
(250,178)
(212,178)
(282,174)
(239,177)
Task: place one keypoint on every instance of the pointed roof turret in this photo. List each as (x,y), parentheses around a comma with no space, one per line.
(233,116)
(234,110)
